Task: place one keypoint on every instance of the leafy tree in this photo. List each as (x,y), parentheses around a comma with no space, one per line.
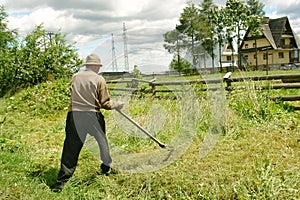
(136,73)
(218,21)
(208,31)
(256,9)
(8,48)
(239,18)
(182,66)
(189,25)
(44,56)
(175,42)
(208,25)
(7,36)
(39,57)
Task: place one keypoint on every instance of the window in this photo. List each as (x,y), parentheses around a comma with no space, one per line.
(246,46)
(228,58)
(246,57)
(280,55)
(265,56)
(229,47)
(254,45)
(282,42)
(254,56)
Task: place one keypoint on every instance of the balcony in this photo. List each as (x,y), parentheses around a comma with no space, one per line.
(286,46)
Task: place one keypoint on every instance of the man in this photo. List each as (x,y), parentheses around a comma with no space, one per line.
(89,94)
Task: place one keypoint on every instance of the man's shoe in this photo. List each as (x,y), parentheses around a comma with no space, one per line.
(57,187)
(107,170)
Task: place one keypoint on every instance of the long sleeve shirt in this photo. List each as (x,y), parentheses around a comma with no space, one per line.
(89,92)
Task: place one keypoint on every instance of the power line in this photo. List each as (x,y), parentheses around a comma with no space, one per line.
(114,58)
(126,64)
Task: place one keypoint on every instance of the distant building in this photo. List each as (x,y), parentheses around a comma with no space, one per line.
(114,75)
(275,46)
(229,57)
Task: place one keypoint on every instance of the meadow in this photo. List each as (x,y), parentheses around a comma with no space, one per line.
(237,145)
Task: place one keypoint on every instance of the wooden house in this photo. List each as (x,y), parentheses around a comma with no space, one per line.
(276,46)
(229,57)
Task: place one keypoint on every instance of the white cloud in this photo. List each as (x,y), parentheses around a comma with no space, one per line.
(51,19)
(146,21)
(124,8)
(95,20)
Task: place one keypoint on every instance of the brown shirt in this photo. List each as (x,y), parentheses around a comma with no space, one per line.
(89,92)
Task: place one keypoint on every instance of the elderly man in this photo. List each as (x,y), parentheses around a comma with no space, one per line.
(89,94)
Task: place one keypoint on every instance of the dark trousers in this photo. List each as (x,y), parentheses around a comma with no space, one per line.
(78,125)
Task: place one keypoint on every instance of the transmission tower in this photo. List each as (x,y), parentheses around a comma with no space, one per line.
(126,64)
(114,59)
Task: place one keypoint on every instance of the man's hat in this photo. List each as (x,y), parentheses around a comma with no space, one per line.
(92,59)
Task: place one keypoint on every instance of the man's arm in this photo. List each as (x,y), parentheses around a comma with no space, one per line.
(104,98)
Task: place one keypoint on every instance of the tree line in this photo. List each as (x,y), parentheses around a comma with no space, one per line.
(38,57)
(205,27)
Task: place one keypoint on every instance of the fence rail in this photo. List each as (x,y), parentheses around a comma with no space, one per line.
(289,81)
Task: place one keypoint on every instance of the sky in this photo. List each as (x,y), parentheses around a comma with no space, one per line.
(92,24)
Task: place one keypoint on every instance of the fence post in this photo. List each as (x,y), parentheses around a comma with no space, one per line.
(134,83)
(227,79)
(153,88)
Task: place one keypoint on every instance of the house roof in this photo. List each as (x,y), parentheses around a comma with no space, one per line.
(275,28)
(296,39)
(268,33)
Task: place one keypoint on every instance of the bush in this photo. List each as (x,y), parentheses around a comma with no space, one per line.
(42,99)
(41,56)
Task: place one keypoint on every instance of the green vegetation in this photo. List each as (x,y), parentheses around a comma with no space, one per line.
(38,57)
(256,157)
(237,145)
(204,27)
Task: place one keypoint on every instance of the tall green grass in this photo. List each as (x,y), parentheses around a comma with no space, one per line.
(256,157)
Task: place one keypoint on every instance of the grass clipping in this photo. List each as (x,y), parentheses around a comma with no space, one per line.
(176,123)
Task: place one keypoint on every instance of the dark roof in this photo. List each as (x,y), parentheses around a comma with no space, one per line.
(273,30)
(281,26)
(268,34)
(277,27)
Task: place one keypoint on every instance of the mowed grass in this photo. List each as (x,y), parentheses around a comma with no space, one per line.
(255,157)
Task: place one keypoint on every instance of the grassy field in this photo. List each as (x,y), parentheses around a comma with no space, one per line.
(226,146)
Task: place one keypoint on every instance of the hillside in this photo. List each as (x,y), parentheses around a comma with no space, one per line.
(255,156)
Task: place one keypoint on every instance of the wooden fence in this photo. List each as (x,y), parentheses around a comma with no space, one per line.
(283,81)
(289,81)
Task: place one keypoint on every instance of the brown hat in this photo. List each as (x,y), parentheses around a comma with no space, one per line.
(93,59)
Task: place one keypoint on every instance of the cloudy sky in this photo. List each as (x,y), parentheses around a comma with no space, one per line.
(90,24)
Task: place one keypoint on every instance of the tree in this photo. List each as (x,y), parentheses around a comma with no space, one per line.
(181,66)
(189,25)
(218,21)
(208,25)
(39,57)
(45,56)
(208,31)
(136,73)
(8,48)
(7,36)
(237,19)
(256,9)
(175,42)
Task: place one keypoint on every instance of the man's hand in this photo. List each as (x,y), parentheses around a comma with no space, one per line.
(118,105)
